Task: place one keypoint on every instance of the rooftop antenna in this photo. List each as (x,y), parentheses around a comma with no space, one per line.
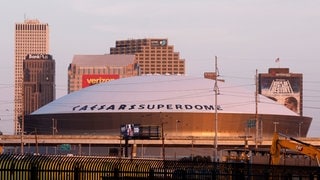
(278,62)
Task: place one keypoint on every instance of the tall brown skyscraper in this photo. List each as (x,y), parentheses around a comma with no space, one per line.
(154,56)
(39,81)
(31,37)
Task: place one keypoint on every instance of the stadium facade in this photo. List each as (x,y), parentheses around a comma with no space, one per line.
(182,105)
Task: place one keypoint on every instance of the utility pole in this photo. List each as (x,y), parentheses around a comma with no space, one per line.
(216,107)
(256,113)
(216,89)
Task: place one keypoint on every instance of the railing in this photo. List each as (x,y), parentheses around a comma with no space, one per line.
(34,167)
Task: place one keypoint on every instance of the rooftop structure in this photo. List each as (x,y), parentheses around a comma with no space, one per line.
(154,55)
(86,70)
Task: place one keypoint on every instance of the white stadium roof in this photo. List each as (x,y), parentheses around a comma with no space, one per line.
(162,93)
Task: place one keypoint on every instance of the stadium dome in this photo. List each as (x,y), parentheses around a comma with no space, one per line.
(154,99)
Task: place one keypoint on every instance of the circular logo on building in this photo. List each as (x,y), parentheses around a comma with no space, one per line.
(163,42)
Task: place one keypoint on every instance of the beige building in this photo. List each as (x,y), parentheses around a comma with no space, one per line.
(154,56)
(39,81)
(87,70)
(31,37)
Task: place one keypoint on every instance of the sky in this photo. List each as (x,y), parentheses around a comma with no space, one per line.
(245,35)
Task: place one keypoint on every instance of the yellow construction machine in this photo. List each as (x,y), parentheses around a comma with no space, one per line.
(292,144)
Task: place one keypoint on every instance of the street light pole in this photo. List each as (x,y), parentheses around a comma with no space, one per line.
(163,148)
(177,121)
(300,123)
(162,133)
(275,126)
(54,126)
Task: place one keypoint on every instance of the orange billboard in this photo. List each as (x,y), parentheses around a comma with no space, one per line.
(92,79)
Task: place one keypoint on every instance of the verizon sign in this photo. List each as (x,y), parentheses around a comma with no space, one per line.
(92,79)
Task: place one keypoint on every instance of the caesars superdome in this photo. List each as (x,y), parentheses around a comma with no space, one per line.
(168,100)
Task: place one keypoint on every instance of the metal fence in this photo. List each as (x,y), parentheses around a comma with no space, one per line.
(38,167)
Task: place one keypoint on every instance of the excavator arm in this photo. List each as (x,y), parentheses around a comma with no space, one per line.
(292,144)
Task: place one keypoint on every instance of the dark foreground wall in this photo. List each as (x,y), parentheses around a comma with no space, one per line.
(92,168)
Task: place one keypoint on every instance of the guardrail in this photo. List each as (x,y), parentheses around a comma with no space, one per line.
(36,167)
(105,139)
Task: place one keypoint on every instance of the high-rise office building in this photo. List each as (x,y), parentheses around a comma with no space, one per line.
(87,70)
(154,56)
(31,37)
(39,81)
